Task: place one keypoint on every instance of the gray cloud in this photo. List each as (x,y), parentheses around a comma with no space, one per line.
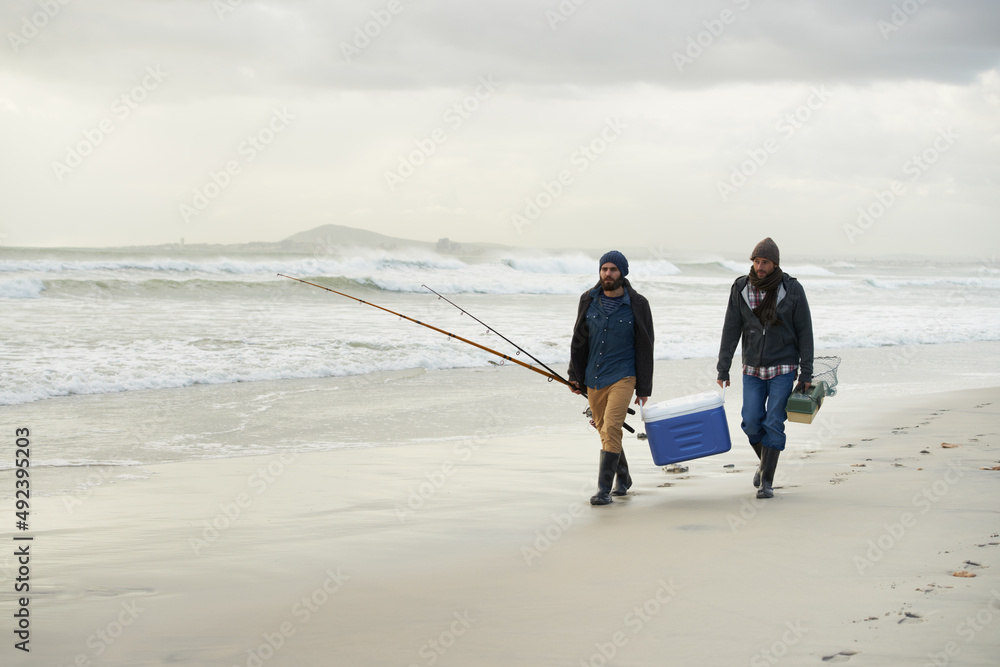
(299,44)
(691,124)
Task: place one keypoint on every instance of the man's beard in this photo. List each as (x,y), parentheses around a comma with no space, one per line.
(609,285)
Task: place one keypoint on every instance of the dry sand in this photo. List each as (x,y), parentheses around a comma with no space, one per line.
(485,551)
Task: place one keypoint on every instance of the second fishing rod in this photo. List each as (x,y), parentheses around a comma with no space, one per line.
(548,373)
(582,388)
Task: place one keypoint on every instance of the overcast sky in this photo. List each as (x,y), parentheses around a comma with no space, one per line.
(848,128)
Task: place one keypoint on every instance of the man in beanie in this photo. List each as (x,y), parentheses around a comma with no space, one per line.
(769,315)
(612,355)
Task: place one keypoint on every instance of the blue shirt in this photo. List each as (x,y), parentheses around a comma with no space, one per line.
(612,341)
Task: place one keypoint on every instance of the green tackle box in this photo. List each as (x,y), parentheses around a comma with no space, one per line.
(802,407)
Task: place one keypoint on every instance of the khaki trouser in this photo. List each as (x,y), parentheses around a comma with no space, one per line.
(610,407)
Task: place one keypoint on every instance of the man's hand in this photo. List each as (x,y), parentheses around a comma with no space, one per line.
(803,387)
(641,400)
(574,387)
(723,383)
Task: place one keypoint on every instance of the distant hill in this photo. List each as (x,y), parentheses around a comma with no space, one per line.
(339,235)
(349,236)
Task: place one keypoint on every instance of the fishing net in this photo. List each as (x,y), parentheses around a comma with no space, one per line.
(825,371)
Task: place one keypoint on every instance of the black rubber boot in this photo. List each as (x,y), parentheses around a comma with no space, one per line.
(768,463)
(623,480)
(605,477)
(756,476)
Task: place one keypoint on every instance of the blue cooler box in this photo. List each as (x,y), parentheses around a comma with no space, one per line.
(687,428)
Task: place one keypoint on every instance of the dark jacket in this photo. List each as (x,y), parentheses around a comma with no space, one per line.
(790,342)
(580,346)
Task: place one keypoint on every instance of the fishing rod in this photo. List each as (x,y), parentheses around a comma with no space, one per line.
(492,330)
(583,390)
(551,376)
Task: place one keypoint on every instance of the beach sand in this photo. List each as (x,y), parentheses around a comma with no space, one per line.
(482,549)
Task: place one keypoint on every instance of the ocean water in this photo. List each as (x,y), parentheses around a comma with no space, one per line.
(120,359)
(118,320)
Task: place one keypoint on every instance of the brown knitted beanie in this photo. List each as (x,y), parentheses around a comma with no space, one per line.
(766,249)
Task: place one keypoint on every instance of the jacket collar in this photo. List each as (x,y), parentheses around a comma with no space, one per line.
(782,291)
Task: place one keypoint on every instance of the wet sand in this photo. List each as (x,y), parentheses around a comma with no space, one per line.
(484,550)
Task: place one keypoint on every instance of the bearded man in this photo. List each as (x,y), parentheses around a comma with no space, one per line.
(612,354)
(769,315)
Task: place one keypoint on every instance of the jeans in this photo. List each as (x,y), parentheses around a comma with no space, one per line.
(764,409)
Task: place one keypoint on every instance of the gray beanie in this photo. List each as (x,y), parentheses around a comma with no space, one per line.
(766,249)
(615,258)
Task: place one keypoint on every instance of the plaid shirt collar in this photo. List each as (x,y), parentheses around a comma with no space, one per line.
(755,296)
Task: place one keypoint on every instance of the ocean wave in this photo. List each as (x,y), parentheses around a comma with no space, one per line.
(484,279)
(296,352)
(575,264)
(368,262)
(807,270)
(653,268)
(735,267)
(791,269)
(900,283)
(21,288)
(82,463)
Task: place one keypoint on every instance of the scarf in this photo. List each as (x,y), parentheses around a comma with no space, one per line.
(767,311)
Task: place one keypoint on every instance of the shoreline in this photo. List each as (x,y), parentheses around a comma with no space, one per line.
(485,545)
(397,408)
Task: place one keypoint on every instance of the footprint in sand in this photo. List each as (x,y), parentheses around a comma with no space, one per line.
(910,617)
(932,588)
(843,656)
